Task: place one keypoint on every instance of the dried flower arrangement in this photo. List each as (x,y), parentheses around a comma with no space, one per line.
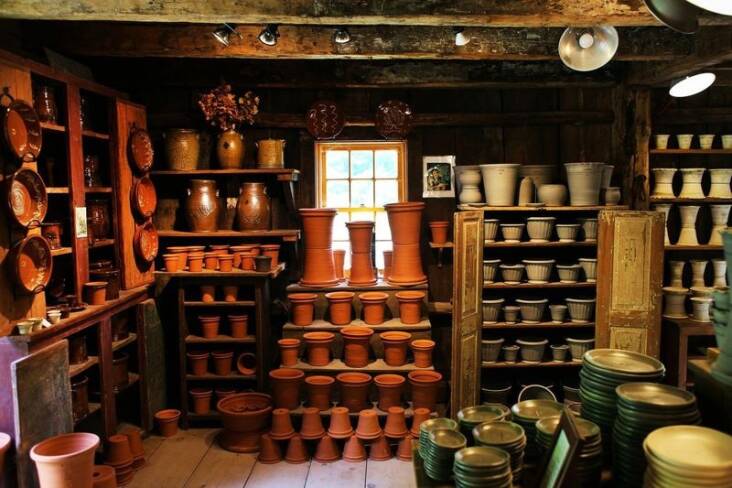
(223,109)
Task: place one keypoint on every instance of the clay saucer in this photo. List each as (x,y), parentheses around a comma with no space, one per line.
(22,129)
(31,263)
(146,242)
(144,197)
(141,150)
(27,198)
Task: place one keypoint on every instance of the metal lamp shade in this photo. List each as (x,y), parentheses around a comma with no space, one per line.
(722,7)
(602,50)
(679,15)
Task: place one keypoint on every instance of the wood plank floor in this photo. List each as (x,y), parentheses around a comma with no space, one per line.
(193,459)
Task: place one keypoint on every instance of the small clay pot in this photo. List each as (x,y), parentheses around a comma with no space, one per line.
(340,306)
(356,345)
(302,305)
(354,390)
(238,325)
(222,362)
(201,400)
(211,261)
(422,351)
(380,450)
(273,251)
(230,292)
(269,450)
(439,231)
(195,262)
(297,452)
(312,424)
(327,450)
(368,427)
(354,451)
(172,263)
(318,347)
(404,450)
(396,423)
(118,450)
(208,293)
(167,421)
(340,423)
(246,364)
(424,388)
(263,264)
(226,263)
(281,424)
(289,351)
(373,304)
(318,389)
(420,415)
(410,306)
(198,362)
(286,387)
(209,326)
(95,292)
(339,258)
(246,262)
(391,387)
(395,347)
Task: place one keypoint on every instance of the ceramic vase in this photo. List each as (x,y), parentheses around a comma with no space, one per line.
(230,149)
(405,221)
(317,227)
(469,179)
(676,273)
(65,461)
(687,237)
(499,183)
(698,268)
(720,178)
(665,208)
(584,181)
(202,206)
(719,266)
(720,216)
(692,178)
(700,308)
(363,272)
(253,208)
(674,302)
(663,182)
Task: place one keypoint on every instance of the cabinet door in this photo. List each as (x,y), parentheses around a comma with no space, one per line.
(466,315)
(629,280)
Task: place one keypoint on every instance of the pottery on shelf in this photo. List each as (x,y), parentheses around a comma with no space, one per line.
(553,195)
(167,421)
(282,428)
(607,176)
(700,308)
(198,362)
(368,427)
(687,236)
(538,270)
(201,400)
(511,314)
(512,232)
(674,302)
(558,313)
(422,352)
(676,273)
(568,273)
(540,174)
(244,417)
(490,269)
(490,230)
(270,153)
(302,305)
(95,292)
(209,326)
(684,140)
(340,306)
(65,461)
(510,353)
(410,306)
(720,178)
(424,386)
(289,351)
(727,141)
(356,345)
(611,195)
(663,182)
(318,346)
(202,206)
(490,349)
(318,391)
(512,274)
(532,349)
(589,229)
(222,362)
(182,147)
(719,266)
(698,269)
(339,258)
(354,390)
(578,347)
(390,388)
(253,208)
(469,179)
(230,149)
(589,266)
(526,192)
(720,216)
(692,178)
(665,209)
(491,310)
(567,232)
(405,224)
(706,141)
(559,352)
(238,325)
(373,304)
(340,424)
(540,228)
(363,272)
(395,347)
(581,310)
(319,267)
(584,180)
(286,387)
(246,363)
(661,141)
(439,230)
(532,310)
(499,183)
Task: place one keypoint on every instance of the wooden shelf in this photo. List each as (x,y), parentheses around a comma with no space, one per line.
(392,324)
(93,408)
(95,135)
(116,345)
(285,234)
(690,200)
(376,366)
(61,251)
(221,339)
(237,273)
(380,285)
(53,127)
(77,369)
(525,244)
(211,415)
(234,376)
(134,378)
(522,364)
(691,151)
(446,245)
(688,322)
(282,174)
(239,303)
(593,208)
(101,243)
(700,247)
(57,190)
(541,325)
(98,189)
(521,286)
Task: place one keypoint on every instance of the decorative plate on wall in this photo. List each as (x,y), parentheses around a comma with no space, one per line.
(141,150)
(393,119)
(146,242)
(22,129)
(325,120)
(27,198)
(144,197)
(32,264)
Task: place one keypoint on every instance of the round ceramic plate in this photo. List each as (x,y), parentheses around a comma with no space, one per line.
(447,439)
(144,197)
(628,362)
(146,242)
(32,264)
(479,414)
(22,130)
(501,433)
(536,409)
(27,198)
(141,150)
(692,447)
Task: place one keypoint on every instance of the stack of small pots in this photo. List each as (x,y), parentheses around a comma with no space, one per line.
(223,258)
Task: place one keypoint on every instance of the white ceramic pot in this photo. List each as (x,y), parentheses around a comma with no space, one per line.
(568,273)
(665,208)
(532,350)
(589,229)
(554,195)
(581,310)
(512,273)
(540,228)
(676,273)
(589,265)
(720,216)
(720,178)
(584,181)
(698,268)
(511,314)
(490,349)
(700,308)
(706,141)
(727,141)
(499,183)
(567,232)
(692,178)
(661,141)
(469,179)
(663,179)
(490,229)
(719,266)
(684,140)
(558,313)
(687,237)
(559,352)
(491,310)
(607,176)
(540,174)
(674,302)
(510,354)
(512,232)
(538,271)
(490,268)
(611,195)
(578,347)
(532,311)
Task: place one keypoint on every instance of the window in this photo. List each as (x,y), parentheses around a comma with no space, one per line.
(358,179)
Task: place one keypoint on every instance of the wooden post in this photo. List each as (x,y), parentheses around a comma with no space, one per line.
(639,177)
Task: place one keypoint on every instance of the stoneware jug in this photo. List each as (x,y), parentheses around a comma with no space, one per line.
(230,149)
(270,153)
(202,206)
(182,147)
(253,209)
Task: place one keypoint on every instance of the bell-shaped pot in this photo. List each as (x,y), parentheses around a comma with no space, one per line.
(363,272)
(687,236)
(663,182)
(692,178)
(340,423)
(317,227)
(499,183)
(720,216)
(584,180)
(665,209)
(469,181)
(405,223)
(720,178)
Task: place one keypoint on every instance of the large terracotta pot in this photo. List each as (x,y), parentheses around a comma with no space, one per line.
(302,305)
(182,147)
(318,347)
(388,257)
(318,390)
(317,228)
(230,149)
(286,387)
(65,461)
(584,181)
(424,388)
(391,387)
(422,351)
(339,307)
(354,390)
(395,347)
(201,400)
(253,209)
(373,304)
(405,222)
(363,272)
(202,206)
(356,345)
(245,417)
(410,306)
(499,183)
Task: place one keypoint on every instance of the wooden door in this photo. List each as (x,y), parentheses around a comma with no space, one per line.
(629,281)
(466,314)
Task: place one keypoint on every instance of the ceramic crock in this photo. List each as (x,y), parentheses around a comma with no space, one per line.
(271,153)
(182,147)
(584,181)
(253,208)
(202,206)
(499,183)
(230,149)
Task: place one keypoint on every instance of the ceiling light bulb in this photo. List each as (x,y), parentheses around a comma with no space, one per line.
(341,36)
(223,33)
(586,40)
(723,7)
(460,38)
(691,85)
(269,35)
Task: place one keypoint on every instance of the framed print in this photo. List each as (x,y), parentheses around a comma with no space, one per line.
(439,177)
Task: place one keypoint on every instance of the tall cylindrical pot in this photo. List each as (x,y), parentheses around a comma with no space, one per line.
(499,183)
(584,180)
(181,149)
(317,228)
(363,272)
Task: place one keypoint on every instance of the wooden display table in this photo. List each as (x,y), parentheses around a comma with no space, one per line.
(675,337)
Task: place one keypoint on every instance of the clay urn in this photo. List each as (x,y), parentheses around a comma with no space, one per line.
(65,461)
(340,423)
(404,450)
(356,345)
(405,222)
(327,450)
(380,450)
(254,209)
(167,421)
(340,306)
(353,450)
(368,427)
(410,306)
(318,391)
(396,423)
(297,452)
(339,258)
(419,415)
(269,450)
(104,477)
(230,292)
(226,263)
(302,305)
(318,347)
(281,425)
(195,262)
(312,424)
(390,387)
(198,362)
(201,400)
(388,256)
(354,390)
(208,293)
(439,230)
(245,417)
(209,326)
(317,227)
(361,235)
(424,388)
(373,304)
(395,347)
(246,364)
(222,362)
(273,251)
(289,351)
(286,387)
(202,206)
(172,263)
(238,325)
(422,351)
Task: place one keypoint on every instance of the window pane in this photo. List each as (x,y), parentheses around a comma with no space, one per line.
(355,216)
(336,164)
(387,191)
(383,232)
(340,232)
(336,193)
(362,164)
(362,193)
(386,164)
(381,246)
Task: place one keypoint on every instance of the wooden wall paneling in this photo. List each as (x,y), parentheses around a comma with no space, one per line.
(528,143)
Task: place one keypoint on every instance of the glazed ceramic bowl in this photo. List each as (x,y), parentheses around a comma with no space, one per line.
(27,198)
(491,310)
(490,268)
(512,232)
(511,314)
(581,310)
(567,232)
(589,266)
(512,273)
(490,229)
(538,271)
(568,273)
(490,349)
(578,347)
(540,228)
(532,311)
(532,349)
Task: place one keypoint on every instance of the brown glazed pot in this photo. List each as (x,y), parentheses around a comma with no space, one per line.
(339,306)
(422,351)
(405,222)
(354,390)
(238,325)
(65,461)
(202,206)
(318,389)
(356,345)
(245,417)
(439,231)
(395,347)
(253,208)
(95,292)
(198,362)
(201,400)
(410,306)
(246,363)
(391,387)
(286,387)
(270,153)
(289,351)
(167,421)
(222,362)
(363,272)
(317,229)
(318,347)
(181,149)
(273,251)
(388,256)
(424,386)
(303,306)
(209,326)
(339,259)
(230,149)
(373,303)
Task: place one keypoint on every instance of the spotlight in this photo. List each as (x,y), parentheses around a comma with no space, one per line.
(588,48)
(691,85)
(722,7)
(223,33)
(341,36)
(269,35)
(460,38)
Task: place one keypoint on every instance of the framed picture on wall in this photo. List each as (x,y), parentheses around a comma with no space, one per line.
(438,180)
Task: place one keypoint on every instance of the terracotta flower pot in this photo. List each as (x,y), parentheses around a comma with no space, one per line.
(368,425)
(230,292)
(354,390)
(104,476)
(373,304)
(424,388)
(422,351)
(395,347)
(201,400)
(388,256)
(363,272)
(226,263)
(118,452)
(273,251)
(238,325)
(222,362)
(356,345)
(281,424)
(198,362)
(410,306)
(318,389)
(211,261)
(95,292)
(223,391)
(208,293)
(312,424)
(380,450)
(327,450)
(289,351)
(245,417)
(297,452)
(405,222)
(209,326)
(340,423)
(286,387)
(181,252)
(439,230)
(339,258)
(317,226)
(396,423)
(269,450)
(391,387)
(419,415)
(167,421)
(246,260)
(404,450)
(246,364)
(339,306)
(354,451)
(318,347)
(172,263)
(303,305)
(65,461)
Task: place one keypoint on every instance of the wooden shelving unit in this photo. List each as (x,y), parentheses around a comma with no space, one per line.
(691,152)
(538,286)
(77,369)
(527,209)
(282,174)
(287,235)
(529,244)
(526,365)
(540,325)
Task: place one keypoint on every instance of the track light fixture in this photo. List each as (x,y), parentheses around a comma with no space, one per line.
(341,36)
(691,85)
(460,38)
(269,35)
(223,33)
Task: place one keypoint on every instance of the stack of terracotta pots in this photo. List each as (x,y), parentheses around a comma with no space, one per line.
(363,272)
(317,227)
(405,222)
(223,258)
(245,417)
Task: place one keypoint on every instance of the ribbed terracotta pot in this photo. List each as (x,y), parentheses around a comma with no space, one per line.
(244,417)
(317,229)
(395,347)
(339,258)
(209,326)
(286,387)
(222,362)
(356,345)
(422,351)
(363,272)
(339,306)
(65,461)
(201,400)
(289,351)
(373,304)
(303,306)
(405,222)
(198,362)
(424,386)
(410,306)
(238,325)
(318,347)
(195,262)
(391,387)
(318,389)
(388,257)
(354,390)
(439,230)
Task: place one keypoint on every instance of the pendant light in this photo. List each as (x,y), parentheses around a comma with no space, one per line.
(722,7)
(223,33)
(341,36)
(269,35)
(691,85)
(460,38)
(679,15)
(588,48)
